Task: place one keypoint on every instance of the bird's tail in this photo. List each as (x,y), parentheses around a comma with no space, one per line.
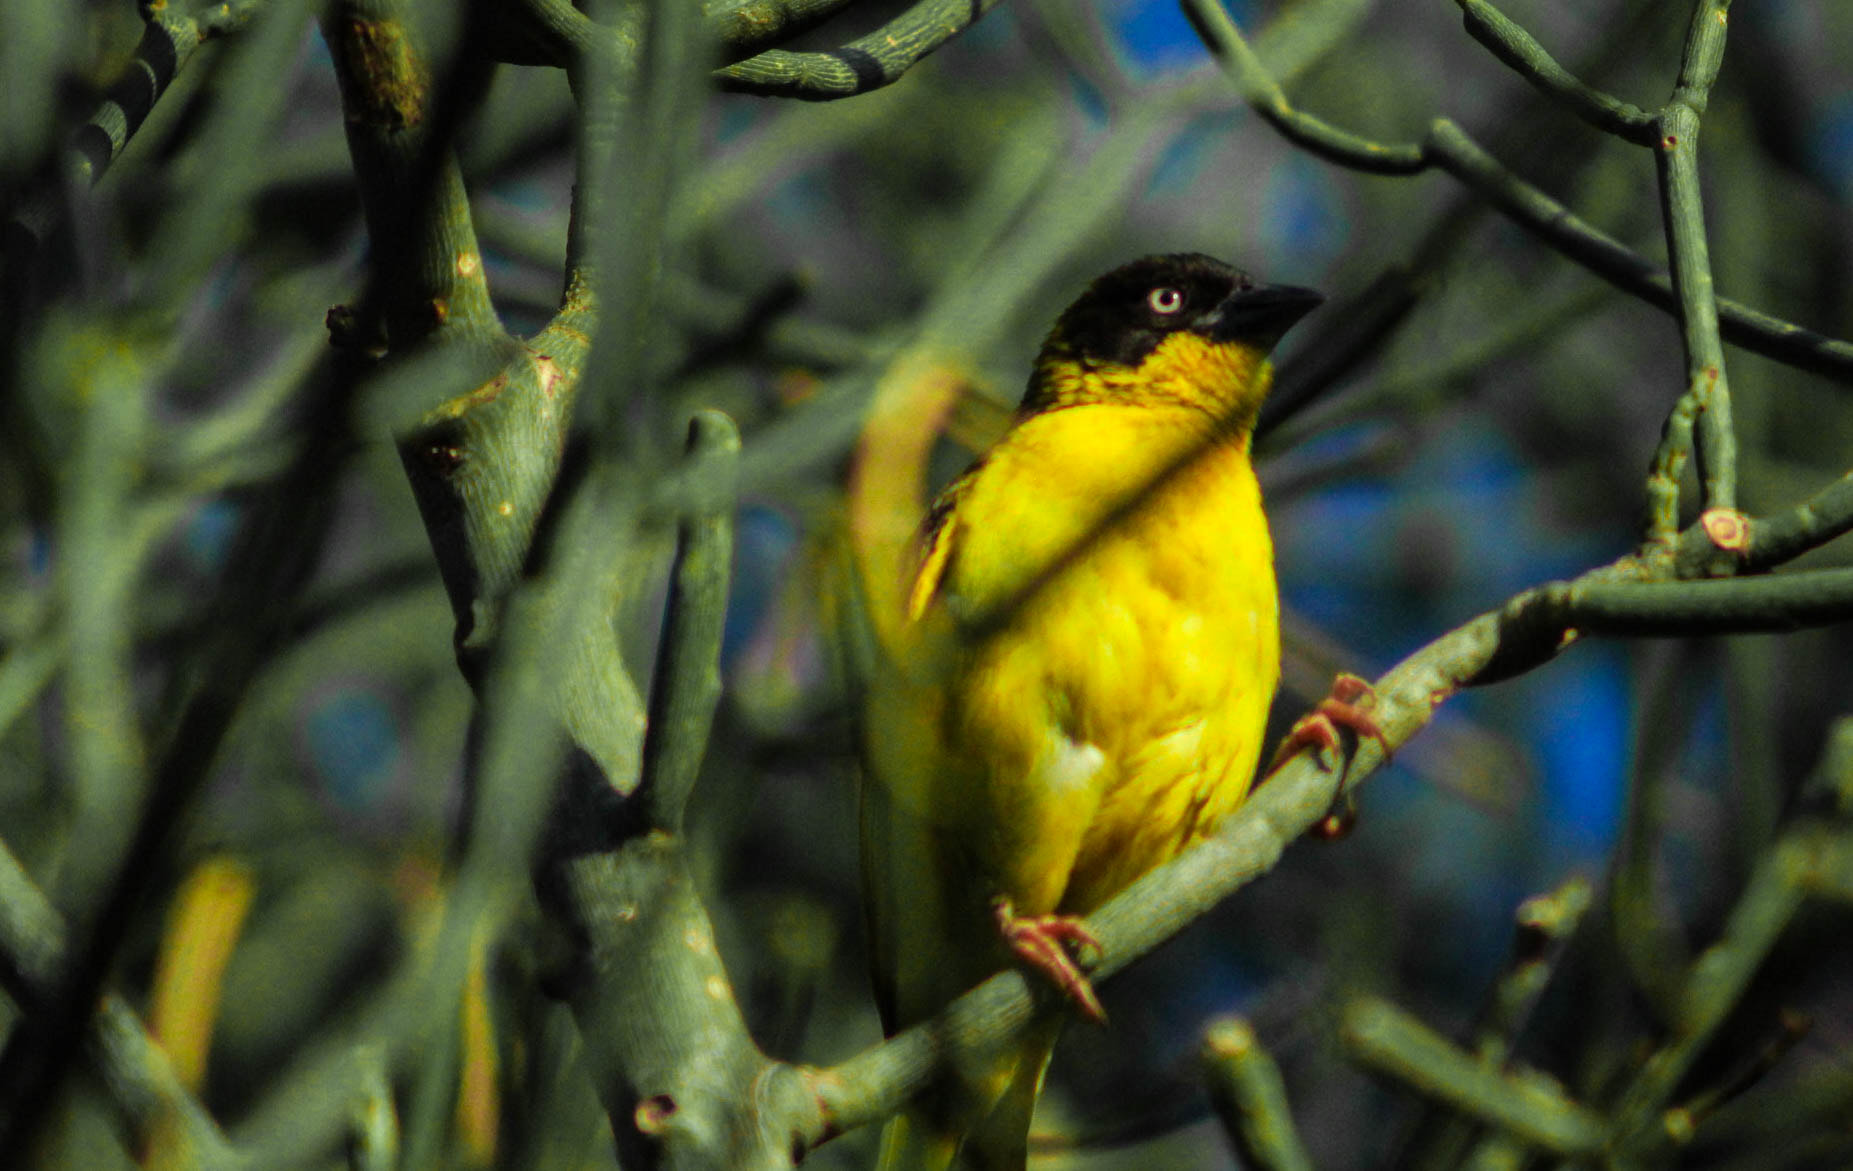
(916,1140)
(913,1142)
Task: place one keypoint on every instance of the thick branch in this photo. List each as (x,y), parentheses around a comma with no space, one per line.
(427,264)
(1743,605)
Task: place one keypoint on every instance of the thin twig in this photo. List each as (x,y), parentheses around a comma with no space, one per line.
(687,686)
(1707,396)
(1812,859)
(1449,148)
(863,64)
(141,1081)
(1248,1094)
(1523,1101)
(1521,51)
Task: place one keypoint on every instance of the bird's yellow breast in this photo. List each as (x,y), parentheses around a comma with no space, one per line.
(1116,715)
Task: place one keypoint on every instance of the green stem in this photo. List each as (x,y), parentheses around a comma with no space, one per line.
(1811,859)
(1524,1102)
(864,64)
(134,1069)
(1449,148)
(1683,211)
(1251,1099)
(1519,50)
(1259,89)
(1742,605)
(687,686)
(427,265)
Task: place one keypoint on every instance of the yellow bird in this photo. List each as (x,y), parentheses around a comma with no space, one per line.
(1089,648)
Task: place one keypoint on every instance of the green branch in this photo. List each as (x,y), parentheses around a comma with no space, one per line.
(1545,923)
(748,27)
(1250,1098)
(864,64)
(170,38)
(1257,87)
(687,686)
(1449,148)
(553,32)
(1526,57)
(141,1082)
(1522,1101)
(1742,605)
(1811,860)
(1683,211)
(373,1132)
(427,266)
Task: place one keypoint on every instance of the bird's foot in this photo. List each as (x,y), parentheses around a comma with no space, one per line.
(1349,706)
(1057,946)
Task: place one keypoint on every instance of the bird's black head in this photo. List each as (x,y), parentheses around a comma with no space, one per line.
(1124,315)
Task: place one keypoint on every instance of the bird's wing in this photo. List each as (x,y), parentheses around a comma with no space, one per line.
(939,538)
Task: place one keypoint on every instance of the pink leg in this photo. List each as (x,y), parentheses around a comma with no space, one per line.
(1051,944)
(1347,707)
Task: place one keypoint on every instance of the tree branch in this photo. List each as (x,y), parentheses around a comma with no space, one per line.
(172,34)
(1449,148)
(1526,57)
(687,686)
(1683,211)
(427,264)
(141,1081)
(1250,1098)
(1811,860)
(1523,1101)
(862,65)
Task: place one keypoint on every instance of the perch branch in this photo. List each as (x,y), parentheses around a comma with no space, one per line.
(1530,630)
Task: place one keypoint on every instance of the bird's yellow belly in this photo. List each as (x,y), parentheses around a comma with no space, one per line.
(1120,716)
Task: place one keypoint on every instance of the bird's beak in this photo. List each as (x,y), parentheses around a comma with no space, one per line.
(1261,314)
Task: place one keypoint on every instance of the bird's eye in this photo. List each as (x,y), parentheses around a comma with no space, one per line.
(1166,301)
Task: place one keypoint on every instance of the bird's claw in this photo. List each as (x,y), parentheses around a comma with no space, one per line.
(1057,946)
(1349,706)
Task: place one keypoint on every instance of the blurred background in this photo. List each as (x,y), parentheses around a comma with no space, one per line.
(1497,437)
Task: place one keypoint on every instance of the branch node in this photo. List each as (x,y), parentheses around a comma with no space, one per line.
(654,1113)
(1728,529)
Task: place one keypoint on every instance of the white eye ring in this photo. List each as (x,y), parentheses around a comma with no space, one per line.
(1166,300)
